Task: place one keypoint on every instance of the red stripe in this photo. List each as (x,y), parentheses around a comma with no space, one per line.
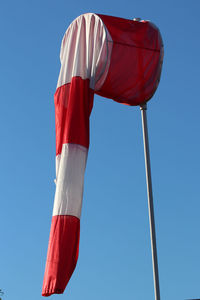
(73,105)
(134,68)
(62,254)
(135,84)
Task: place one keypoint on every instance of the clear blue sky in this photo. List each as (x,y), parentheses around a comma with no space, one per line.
(115,254)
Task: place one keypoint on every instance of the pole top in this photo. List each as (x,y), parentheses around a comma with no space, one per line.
(143,106)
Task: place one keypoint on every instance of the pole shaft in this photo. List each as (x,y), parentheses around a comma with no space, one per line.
(143,109)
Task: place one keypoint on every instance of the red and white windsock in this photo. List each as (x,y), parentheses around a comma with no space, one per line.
(116,58)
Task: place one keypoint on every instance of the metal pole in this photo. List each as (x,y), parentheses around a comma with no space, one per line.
(143,109)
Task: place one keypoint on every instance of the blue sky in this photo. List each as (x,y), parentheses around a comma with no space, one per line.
(115,253)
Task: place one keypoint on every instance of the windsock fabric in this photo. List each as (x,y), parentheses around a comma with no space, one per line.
(115,58)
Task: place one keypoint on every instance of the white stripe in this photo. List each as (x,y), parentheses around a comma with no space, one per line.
(70,166)
(85,51)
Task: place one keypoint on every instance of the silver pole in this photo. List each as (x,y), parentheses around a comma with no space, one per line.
(143,109)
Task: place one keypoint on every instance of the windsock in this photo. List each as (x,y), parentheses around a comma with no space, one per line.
(113,57)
